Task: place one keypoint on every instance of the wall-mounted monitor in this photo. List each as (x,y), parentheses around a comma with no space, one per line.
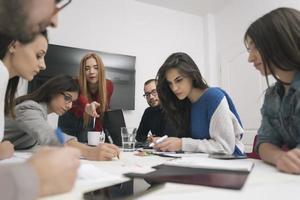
(120,69)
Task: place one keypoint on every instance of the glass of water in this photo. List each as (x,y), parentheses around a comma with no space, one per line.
(128,138)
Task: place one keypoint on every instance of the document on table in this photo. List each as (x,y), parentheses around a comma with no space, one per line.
(89,174)
(210,163)
(17,157)
(180,155)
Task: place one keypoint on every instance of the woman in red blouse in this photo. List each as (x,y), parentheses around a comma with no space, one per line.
(93,101)
(95,91)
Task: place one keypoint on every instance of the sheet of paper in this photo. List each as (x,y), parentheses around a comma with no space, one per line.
(89,175)
(210,163)
(17,157)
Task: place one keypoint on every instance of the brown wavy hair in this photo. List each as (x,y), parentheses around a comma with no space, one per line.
(178,110)
(83,84)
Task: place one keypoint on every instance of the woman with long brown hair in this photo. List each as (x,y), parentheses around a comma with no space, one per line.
(274,49)
(205,115)
(17,60)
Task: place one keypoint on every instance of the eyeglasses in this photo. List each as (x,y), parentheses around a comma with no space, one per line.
(147,94)
(60,4)
(67,98)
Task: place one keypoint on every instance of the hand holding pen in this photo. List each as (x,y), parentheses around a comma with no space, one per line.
(169,144)
(111,140)
(158,141)
(91,109)
(150,136)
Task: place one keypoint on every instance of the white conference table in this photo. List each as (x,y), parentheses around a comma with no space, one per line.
(264,182)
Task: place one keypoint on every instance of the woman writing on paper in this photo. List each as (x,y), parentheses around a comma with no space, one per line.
(30,126)
(205,114)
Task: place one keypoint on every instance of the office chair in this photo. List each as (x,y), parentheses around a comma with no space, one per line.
(253,154)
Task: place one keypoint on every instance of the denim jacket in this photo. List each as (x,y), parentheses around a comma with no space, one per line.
(281,116)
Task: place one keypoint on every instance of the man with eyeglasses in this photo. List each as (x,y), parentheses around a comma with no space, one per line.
(51,170)
(154,120)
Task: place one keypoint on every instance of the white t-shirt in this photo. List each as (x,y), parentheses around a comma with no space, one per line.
(4,77)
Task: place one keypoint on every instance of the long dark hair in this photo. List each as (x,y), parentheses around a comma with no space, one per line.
(12,85)
(178,110)
(276,36)
(54,86)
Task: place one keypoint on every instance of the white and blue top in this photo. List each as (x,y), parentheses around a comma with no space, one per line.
(215,126)
(4,78)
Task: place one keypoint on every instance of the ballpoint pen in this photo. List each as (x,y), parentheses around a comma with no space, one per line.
(94,122)
(60,136)
(150,136)
(160,140)
(110,139)
(108,136)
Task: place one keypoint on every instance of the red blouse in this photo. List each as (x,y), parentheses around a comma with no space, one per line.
(78,106)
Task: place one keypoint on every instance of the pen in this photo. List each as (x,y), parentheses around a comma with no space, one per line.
(149,134)
(60,136)
(94,122)
(158,141)
(108,136)
(110,139)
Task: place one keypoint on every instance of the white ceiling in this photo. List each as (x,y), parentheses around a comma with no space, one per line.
(196,7)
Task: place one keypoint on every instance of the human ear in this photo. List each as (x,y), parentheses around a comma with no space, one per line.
(12,47)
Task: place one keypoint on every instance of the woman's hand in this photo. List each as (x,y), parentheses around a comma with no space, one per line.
(91,108)
(6,150)
(289,161)
(103,151)
(169,144)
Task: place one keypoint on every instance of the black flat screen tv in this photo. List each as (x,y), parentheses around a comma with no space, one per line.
(120,69)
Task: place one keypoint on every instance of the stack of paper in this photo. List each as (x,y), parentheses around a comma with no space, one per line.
(90,176)
(210,163)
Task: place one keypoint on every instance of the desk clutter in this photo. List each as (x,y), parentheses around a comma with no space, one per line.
(158,167)
(199,170)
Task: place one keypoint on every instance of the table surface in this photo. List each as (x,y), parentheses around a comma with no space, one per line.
(264,182)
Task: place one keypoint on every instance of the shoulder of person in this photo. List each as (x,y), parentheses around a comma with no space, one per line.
(109,83)
(215,93)
(30,104)
(148,110)
(272,90)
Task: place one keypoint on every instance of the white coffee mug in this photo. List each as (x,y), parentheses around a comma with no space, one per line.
(95,137)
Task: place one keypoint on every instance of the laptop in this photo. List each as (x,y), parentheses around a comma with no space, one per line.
(113,120)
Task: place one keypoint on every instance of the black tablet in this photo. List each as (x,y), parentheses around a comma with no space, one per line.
(227,156)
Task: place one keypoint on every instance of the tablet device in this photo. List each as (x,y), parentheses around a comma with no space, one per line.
(227,156)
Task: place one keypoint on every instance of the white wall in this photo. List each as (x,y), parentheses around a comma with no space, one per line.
(239,77)
(128,27)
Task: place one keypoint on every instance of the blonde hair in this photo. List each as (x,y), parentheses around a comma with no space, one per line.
(102,91)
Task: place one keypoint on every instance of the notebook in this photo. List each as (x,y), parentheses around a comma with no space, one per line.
(194,176)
